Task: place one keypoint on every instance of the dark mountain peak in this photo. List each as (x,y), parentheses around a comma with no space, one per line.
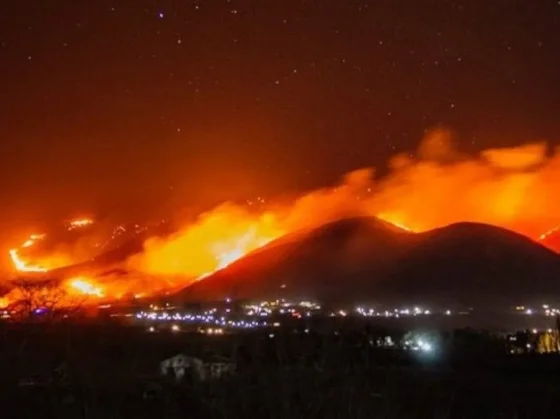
(473,229)
(354,225)
(478,236)
(341,232)
(361,259)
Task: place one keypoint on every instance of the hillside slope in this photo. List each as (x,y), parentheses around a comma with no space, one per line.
(366,260)
(552,240)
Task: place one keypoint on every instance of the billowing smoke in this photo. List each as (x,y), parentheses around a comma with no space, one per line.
(515,188)
(230,231)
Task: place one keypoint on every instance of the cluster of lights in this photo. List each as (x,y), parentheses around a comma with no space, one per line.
(545,310)
(424,346)
(207,318)
(219,319)
(517,348)
(213,331)
(370,312)
(419,344)
(537,331)
(255,311)
(282,307)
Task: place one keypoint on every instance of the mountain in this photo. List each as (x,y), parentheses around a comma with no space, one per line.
(367,260)
(469,262)
(309,263)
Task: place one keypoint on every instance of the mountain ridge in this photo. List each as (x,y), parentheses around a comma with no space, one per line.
(365,258)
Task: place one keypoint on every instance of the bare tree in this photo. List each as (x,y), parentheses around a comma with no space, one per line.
(41,300)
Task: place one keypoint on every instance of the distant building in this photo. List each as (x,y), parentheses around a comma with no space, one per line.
(182,367)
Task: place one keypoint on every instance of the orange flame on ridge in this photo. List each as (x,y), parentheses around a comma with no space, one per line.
(549,233)
(78,223)
(438,187)
(21,265)
(84,286)
(395,221)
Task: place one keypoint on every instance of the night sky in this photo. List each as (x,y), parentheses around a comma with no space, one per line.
(143,104)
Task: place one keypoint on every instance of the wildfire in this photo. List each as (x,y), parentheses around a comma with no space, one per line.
(23,266)
(20,264)
(85,287)
(37,293)
(395,220)
(33,239)
(438,187)
(239,248)
(218,239)
(549,233)
(41,265)
(79,223)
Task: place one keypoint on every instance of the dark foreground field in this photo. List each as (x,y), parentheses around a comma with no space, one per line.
(112,372)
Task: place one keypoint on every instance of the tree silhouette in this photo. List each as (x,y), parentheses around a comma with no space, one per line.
(40,300)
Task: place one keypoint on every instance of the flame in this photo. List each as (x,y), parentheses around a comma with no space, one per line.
(78,223)
(437,187)
(86,287)
(20,264)
(217,240)
(39,266)
(549,233)
(23,266)
(72,292)
(394,219)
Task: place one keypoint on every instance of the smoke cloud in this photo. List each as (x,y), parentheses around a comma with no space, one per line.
(515,188)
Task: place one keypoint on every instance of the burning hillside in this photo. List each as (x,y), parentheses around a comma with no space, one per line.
(41,253)
(363,260)
(514,188)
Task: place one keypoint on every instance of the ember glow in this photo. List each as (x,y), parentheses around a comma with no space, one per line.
(394,220)
(23,266)
(84,286)
(79,223)
(549,233)
(71,293)
(215,241)
(41,265)
(514,188)
(438,187)
(19,263)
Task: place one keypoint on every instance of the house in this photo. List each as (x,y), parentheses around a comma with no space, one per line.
(183,366)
